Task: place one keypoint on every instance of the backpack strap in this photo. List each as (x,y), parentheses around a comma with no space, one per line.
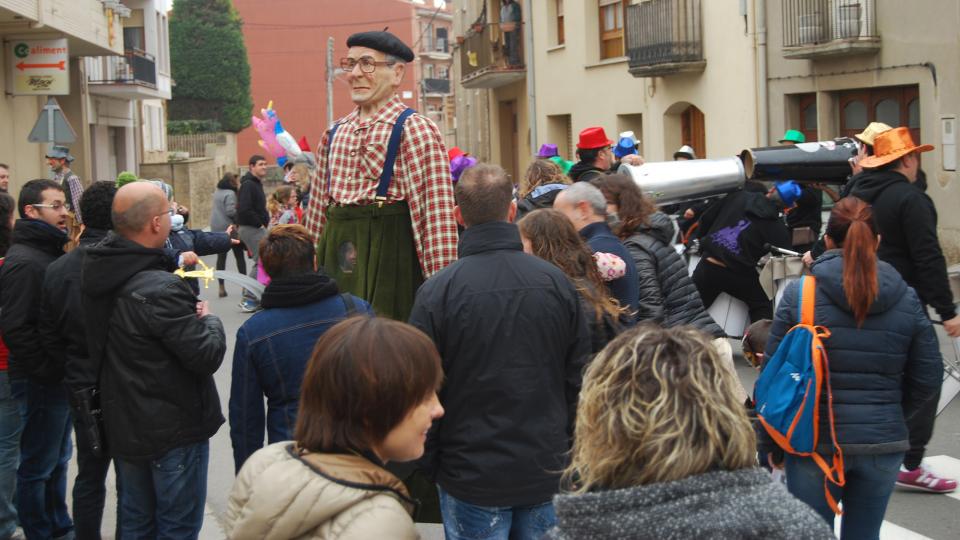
(808,299)
(393,148)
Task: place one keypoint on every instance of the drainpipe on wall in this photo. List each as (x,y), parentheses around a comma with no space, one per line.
(763,112)
(531,86)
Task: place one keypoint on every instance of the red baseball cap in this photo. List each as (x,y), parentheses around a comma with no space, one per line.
(593,137)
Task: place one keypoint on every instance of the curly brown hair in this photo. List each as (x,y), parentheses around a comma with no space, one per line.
(556,241)
(633,207)
(541,172)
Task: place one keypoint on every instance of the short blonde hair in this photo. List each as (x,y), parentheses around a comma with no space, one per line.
(657,405)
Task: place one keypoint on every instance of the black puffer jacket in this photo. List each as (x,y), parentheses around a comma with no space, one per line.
(36,244)
(667,294)
(880,373)
(159,357)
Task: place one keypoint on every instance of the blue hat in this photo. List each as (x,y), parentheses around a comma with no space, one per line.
(789,192)
(625,147)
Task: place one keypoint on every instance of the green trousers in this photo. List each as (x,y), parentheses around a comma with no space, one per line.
(369,251)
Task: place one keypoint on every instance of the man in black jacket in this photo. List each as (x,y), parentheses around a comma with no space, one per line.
(63,331)
(734,231)
(36,382)
(907,220)
(514,340)
(159,348)
(253,219)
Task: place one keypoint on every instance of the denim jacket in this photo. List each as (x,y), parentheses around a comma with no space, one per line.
(269,359)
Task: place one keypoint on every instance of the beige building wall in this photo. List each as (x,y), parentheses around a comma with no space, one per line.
(919,45)
(572,80)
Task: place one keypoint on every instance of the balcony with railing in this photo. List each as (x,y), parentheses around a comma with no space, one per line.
(436,86)
(818,28)
(664,37)
(491,55)
(131,76)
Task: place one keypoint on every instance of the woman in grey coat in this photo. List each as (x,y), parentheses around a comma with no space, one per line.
(664,450)
(223,216)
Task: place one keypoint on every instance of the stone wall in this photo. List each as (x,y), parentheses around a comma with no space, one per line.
(194,180)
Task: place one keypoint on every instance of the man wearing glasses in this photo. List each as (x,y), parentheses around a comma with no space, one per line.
(36,378)
(383,213)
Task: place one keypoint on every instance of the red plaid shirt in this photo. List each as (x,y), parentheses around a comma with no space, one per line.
(421,177)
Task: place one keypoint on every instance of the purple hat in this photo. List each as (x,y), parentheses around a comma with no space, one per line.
(547,150)
(460,164)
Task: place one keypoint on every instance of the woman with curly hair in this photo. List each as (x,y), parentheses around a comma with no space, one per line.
(539,186)
(663,450)
(548,234)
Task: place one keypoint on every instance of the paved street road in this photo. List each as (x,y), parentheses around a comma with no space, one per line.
(909,516)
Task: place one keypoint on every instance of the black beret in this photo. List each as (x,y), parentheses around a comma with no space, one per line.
(384,42)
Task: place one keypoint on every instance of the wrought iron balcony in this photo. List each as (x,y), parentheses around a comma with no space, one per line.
(817,28)
(436,86)
(134,67)
(492,56)
(664,37)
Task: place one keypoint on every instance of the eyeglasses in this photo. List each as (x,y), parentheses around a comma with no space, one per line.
(55,206)
(170,212)
(367,64)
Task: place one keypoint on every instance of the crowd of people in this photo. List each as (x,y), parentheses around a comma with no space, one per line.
(434,343)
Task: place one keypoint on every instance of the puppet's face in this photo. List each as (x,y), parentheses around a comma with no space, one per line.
(380,83)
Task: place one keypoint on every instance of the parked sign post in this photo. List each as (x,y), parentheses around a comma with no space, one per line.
(39,67)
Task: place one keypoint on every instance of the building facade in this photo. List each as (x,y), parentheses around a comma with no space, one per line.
(433,28)
(494,120)
(835,66)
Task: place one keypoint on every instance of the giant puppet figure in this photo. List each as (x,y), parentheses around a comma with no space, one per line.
(381,203)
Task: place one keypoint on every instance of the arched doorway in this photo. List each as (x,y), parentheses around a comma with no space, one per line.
(684,124)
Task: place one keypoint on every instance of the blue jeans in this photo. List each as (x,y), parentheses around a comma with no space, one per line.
(45,450)
(10,429)
(870,481)
(465,521)
(164,498)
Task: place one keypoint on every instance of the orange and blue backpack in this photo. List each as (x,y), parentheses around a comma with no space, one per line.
(790,392)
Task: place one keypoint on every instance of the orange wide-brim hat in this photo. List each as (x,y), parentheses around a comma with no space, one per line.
(890,146)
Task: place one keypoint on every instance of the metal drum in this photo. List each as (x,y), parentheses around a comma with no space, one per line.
(669,182)
(823,161)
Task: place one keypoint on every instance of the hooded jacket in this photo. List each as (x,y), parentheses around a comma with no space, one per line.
(881,373)
(157,389)
(736,228)
(719,504)
(907,219)
(279,494)
(35,245)
(584,172)
(224,211)
(62,322)
(541,197)
(667,294)
(252,203)
(513,338)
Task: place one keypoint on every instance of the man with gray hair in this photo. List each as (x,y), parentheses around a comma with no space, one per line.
(513,338)
(586,207)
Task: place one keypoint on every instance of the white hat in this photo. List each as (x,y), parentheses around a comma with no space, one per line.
(629,135)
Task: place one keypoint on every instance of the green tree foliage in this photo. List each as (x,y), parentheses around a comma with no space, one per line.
(209,63)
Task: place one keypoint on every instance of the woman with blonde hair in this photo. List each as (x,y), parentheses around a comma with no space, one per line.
(663,449)
(548,234)
(539,186)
